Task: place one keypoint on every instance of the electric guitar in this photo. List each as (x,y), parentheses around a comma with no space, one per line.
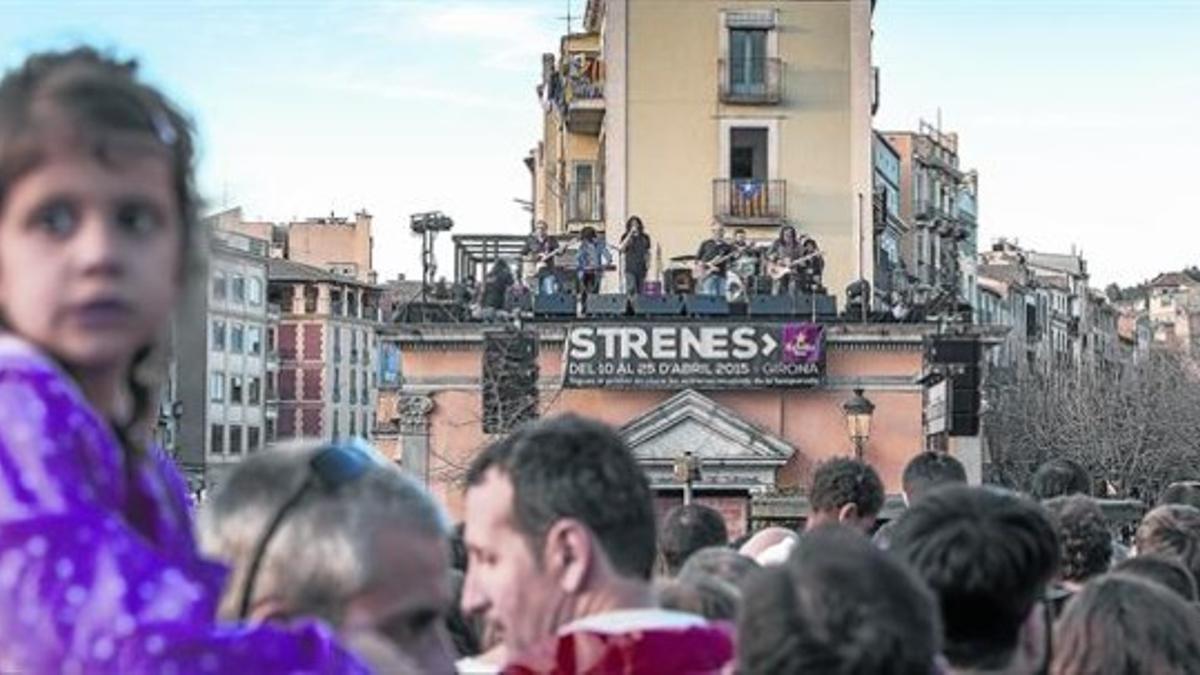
(705,269)
(537,263)
(778,269)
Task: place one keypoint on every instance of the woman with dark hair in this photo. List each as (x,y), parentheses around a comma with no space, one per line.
(635,255)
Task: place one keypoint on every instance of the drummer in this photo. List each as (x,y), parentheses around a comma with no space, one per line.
(746,262)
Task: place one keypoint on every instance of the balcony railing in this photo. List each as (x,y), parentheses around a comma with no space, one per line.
(756,81)
(752,202)
(585,203)
(583,93)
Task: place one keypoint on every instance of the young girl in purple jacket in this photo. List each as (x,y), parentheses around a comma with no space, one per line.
(98,238)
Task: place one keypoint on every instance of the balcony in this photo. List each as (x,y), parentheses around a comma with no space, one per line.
(272,359)
(750,202)
(583,94)
(756,81)
(585,203)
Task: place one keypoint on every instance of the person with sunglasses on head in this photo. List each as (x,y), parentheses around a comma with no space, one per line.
(99,240)
(335,532)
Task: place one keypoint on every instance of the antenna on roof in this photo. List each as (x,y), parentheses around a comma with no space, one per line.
(568,17)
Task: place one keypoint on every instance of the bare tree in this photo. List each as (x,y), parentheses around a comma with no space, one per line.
(1134,432)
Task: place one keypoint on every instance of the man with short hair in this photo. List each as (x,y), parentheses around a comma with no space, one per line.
(989,555)
(838,605)
(371,554)
(561,537)
(712,262)
(1060,477)
(925,472)
(845,491)
(687,529)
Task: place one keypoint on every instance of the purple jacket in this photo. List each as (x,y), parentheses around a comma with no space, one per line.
(99,572)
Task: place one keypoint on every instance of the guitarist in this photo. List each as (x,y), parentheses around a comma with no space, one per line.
(713,262)
(541,249)
(786,253)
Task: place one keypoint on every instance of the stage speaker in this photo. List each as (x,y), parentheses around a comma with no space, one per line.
(607,304)
(960,356)
(739,308)
(705,305)
(657,305)
(825,305)
(554,305)
(772,305)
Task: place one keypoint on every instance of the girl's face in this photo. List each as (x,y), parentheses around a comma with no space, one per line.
(90,255)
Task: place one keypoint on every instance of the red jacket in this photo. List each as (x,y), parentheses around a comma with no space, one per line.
(629,642)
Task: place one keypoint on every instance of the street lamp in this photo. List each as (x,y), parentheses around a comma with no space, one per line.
(687,471)
(858,410)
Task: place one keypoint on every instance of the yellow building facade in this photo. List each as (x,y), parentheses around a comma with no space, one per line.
(756,114)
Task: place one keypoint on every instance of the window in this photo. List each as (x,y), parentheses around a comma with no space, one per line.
(253,439)
(747,59)
(235,440)
(239,288)
(216,441)
(337,385)
(366,427)
(237,338)
(748,153)
(235,389)
(352,303)
(254,335)
(337,426)
(218,286)
(310,299)
(254,291)
(353,387)
(337,344)
(270,429)
(216,388)
(254,391)
(335,302)
(352,429)
(218,336)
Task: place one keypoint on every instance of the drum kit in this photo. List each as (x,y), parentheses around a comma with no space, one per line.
(742,279)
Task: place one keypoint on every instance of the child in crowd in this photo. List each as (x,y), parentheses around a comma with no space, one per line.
(99,237)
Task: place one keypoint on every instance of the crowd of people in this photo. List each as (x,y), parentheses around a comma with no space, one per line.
(323,558)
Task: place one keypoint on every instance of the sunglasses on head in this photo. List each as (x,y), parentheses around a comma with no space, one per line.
(335,465)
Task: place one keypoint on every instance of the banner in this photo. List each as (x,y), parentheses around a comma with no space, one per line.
(694,356)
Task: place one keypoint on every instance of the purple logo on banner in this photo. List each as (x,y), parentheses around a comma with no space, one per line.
(802,343)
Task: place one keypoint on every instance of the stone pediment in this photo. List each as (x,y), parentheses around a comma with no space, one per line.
(718,436)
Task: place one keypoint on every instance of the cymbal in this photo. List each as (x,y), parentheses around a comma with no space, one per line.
(683,258)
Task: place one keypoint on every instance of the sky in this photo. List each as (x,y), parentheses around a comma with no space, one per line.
(1079,115)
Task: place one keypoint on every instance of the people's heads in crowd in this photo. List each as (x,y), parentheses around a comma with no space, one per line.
(559,519)
(96,173)
(1181,492)
(1119,624)
(721,562)
(1060,477)
(838,605)
(845,491)
(370,554)
(1172,529)
(687,529)
(769,546)
(700,594)
(1084,537)
(929,470)
(1164,570)
(988,555)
